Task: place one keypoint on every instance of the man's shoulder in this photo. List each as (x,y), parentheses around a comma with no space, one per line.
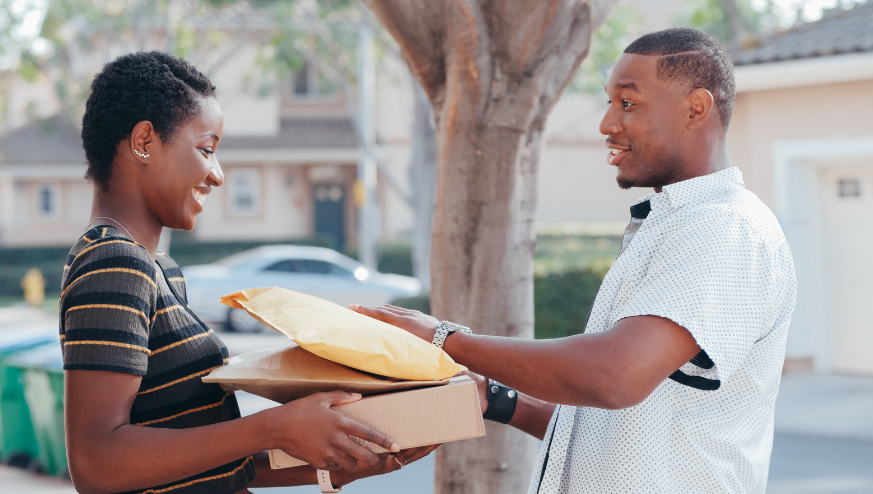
(739,215)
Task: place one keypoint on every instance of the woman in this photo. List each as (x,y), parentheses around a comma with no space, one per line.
(138,417)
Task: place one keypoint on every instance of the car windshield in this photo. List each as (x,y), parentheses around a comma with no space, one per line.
(240,258)
(308,266)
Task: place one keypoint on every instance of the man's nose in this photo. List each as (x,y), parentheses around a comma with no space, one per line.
(609,125)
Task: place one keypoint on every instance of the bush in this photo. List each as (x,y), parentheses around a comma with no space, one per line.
(393,258)
(561,302)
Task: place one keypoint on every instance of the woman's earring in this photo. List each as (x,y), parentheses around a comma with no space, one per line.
(136,152)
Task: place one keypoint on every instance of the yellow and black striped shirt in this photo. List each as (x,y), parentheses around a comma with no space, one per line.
(123,312)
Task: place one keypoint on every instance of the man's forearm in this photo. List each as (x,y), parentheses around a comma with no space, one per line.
(541,369)
(532,415)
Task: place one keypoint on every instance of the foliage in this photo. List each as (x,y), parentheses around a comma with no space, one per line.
(607,45)
(562,301)
(712,16)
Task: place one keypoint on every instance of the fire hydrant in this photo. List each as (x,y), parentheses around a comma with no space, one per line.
(33,285)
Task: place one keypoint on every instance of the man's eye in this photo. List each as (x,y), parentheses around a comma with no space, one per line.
(626,103)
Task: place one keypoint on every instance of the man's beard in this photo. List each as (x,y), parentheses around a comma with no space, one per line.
(665,169)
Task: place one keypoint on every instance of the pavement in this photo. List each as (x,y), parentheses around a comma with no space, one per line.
(823,441)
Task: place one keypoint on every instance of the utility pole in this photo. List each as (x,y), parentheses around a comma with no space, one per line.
(365,188)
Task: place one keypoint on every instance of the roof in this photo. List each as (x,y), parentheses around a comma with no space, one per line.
(838,32)
(55,140)
(300,133)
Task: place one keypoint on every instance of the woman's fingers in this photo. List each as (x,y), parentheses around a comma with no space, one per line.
(338,398)
(358,452)
(369,434)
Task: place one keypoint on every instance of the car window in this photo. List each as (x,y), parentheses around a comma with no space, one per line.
(308,266)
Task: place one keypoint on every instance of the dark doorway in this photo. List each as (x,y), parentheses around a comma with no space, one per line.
(330,213)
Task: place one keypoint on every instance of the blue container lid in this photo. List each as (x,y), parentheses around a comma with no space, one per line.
(46,356)
(19,340)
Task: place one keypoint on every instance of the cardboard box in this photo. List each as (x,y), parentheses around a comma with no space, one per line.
(413,418)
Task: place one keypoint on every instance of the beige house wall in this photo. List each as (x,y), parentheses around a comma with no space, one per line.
(762,118)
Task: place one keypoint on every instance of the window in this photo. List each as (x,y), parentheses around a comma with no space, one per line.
(849,187)
(48,201)
(308,266)
(244,192)
(309,83)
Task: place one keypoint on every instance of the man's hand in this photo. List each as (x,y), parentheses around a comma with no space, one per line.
(481,386)
(413,321)
(308,429)
(387,463)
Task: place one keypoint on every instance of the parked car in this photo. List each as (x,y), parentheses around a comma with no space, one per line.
(317,271)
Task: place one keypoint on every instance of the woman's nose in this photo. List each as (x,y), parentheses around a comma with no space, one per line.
(216,176)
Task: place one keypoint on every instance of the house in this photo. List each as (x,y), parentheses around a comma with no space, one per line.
(802,133)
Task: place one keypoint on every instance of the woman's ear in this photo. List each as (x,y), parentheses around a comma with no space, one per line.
(142,138)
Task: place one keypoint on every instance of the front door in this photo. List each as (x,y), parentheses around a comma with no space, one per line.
(847,220)
(330,208)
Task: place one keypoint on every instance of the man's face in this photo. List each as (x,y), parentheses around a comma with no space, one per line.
(644,124)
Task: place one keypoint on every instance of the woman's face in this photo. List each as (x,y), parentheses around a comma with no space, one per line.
(185,170)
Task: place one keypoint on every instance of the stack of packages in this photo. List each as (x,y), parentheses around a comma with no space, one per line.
(411,389)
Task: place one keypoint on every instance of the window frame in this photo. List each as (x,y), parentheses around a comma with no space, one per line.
(55,191)
(233,191)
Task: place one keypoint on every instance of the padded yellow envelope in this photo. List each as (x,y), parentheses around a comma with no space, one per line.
(345,336)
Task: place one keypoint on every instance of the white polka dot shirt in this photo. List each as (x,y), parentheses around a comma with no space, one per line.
(709,255)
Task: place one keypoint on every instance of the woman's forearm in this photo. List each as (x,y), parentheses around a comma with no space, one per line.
(134,457)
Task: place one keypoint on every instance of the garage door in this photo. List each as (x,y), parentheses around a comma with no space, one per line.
(847,248)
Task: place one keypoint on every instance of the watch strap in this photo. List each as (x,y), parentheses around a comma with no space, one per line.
(324,482)
(501,402)
(444,329)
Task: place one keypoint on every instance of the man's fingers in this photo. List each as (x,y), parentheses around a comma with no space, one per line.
(371,435)
(415,454)
(379,313)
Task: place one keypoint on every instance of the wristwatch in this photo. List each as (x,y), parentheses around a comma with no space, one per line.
(324,482)
(444,329)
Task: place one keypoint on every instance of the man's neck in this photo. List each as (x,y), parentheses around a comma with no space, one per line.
(706,164)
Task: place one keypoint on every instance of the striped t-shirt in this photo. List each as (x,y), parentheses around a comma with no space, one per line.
(121,311)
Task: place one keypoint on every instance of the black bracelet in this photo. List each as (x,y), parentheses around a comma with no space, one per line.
(501,402)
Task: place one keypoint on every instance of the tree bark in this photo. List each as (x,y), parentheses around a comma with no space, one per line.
(492,70)
(422,177)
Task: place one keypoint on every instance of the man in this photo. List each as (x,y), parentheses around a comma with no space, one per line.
(672,387)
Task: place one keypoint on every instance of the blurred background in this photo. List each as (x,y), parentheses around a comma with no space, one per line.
(328,146)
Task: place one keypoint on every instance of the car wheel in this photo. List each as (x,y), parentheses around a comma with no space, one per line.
(238,321)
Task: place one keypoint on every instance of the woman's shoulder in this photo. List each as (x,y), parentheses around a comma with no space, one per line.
(104,250)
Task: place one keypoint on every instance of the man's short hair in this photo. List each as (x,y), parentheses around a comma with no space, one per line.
(695,58)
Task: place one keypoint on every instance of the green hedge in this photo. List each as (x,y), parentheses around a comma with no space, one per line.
(561,302)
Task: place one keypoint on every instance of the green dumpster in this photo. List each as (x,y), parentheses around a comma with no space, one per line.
(17,440)
(42,370)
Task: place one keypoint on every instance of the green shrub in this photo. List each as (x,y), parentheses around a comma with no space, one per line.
(393,258)
(561,302)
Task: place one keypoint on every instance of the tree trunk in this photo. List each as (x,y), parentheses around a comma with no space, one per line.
(422,177)
(492,69)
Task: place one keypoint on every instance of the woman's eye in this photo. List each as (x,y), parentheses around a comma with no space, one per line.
(626,103)
(207,150)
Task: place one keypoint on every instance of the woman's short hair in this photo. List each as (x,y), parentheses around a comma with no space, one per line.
(153,86)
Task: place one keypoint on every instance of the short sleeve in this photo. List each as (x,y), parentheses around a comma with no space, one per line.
(716,279)
(107,305)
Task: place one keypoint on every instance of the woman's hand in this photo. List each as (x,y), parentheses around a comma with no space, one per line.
(309,430)
(413,321)
(387,463)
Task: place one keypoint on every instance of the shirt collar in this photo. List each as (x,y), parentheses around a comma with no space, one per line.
(697,190)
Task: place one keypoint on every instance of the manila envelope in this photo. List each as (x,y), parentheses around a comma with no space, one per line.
(286,373)
(345,336)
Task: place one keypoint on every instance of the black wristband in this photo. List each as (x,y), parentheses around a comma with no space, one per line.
(501,402)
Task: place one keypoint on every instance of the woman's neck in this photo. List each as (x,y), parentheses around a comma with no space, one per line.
(129,214)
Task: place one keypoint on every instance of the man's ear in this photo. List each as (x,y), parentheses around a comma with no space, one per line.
(701,105)
(142,140)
